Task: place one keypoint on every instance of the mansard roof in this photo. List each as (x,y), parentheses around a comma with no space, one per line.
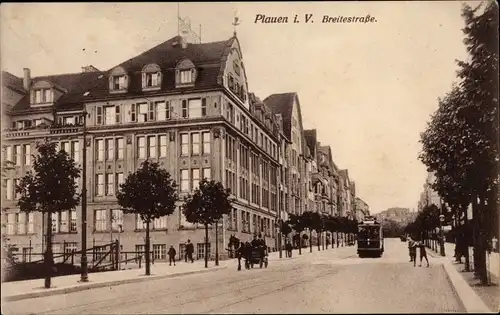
(207,58)
(12,82)
(71,82)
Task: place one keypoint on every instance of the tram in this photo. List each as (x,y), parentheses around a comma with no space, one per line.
(370,238)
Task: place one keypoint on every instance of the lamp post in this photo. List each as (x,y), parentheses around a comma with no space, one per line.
(120,230)
(441,233)
(278,226)
(84,277)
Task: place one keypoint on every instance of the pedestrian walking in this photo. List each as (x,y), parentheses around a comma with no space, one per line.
(248,254)
(189,251)
(494,244)
(423,254)
(288,248)
(413,252)
(410,244)
(239,251)
(171,255)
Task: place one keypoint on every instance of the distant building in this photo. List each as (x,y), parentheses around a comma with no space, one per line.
(362,209)
(429,196)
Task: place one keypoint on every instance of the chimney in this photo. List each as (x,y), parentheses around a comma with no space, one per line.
(27,79)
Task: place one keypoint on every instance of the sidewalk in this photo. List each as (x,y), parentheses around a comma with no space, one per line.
(493,264)
(19,290)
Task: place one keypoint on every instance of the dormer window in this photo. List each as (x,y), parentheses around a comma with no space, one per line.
(185,73)
(151,77)
(118,80)
(43,96)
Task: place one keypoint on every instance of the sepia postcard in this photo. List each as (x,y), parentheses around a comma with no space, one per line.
(250,157)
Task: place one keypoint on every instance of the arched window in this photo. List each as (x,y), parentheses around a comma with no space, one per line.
(151,77)
(118,80)
(185,73)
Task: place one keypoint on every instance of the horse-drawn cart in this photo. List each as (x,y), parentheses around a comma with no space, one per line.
(258,257)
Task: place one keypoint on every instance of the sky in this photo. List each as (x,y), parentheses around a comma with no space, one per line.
(368,88)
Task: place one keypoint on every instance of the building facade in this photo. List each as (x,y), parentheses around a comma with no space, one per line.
(429,196)
(186,106)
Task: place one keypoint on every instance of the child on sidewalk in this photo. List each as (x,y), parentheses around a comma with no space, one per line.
(423,254)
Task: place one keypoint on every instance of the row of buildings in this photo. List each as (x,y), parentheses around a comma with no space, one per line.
(188,107)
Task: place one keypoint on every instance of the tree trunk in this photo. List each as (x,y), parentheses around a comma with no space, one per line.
(148,266)
(49,257)
(465,241)
(319,240)
(310,242)
(300,244)
(337,236)
(323,239)
(206,245)
(475,236)
(216,243)
(483,268)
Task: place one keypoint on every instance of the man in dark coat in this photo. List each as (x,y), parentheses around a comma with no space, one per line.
(189,251)
(171,255)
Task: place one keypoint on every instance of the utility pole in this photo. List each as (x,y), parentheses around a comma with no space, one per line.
(84,277)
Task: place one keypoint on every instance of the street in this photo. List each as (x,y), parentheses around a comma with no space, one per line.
(330,281)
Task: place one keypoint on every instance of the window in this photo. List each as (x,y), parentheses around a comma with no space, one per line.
(99,185)
(207,173)
(119,82)
(117,220)
(72,221)
(100,220)
(21,223)
(43,96)
(27,154)
(11,224)
(98,115)
(55,222)
(119,148)
(160,223)
(184,144)
(163,146)
(8,153)
(75,151)
(152,80)
(141,147)
(195,178)
(9,189)
(201,250)
(31,223)
(17,181)
(139,223)
(100,150)
(110,149)
(203,107)
(151,112)
(70,247)
(159,251)
(186,76)
(206,142)
(162,110)
(139,250)
(152,146)
(63,222)
(18,155)
(142,112)
(195,108)
(195,143)
(119,180)
(109,115)
(110,184)
(184,109)
(184,180)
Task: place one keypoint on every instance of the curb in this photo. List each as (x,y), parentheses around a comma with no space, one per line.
(466,296)
(32,295)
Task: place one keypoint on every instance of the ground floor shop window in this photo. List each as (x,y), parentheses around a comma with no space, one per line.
(160,251)
(201,250)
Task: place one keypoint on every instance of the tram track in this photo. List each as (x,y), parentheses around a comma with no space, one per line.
(102,305)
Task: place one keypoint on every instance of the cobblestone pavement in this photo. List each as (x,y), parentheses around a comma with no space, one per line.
(331,281)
